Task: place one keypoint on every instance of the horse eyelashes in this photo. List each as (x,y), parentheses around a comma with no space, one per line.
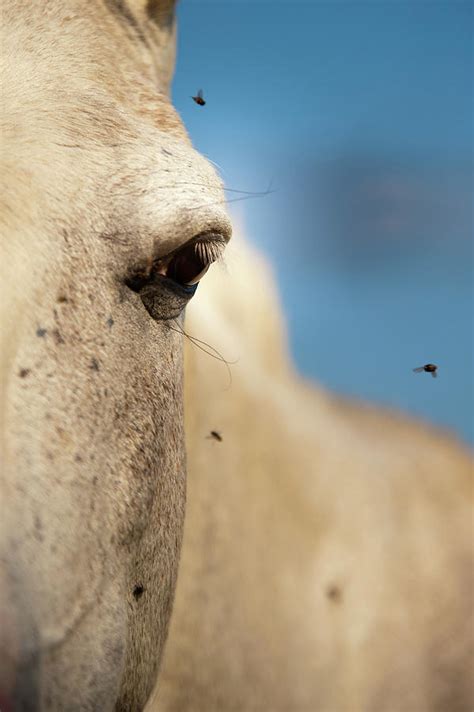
(190,264)
(208,251)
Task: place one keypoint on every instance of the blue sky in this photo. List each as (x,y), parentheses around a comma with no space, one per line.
(361,114)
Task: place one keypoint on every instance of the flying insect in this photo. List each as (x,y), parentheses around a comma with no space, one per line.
(428,368)
(214,435)
(199,98)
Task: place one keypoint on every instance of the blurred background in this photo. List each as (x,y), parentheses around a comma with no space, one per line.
(360,117)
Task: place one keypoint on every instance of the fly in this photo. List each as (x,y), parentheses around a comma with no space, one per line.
(199,98)
(214,435)
(429,368)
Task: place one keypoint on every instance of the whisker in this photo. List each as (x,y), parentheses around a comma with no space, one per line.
(231,200)
(216,165)
(246,194)
(213,352)
(255,193)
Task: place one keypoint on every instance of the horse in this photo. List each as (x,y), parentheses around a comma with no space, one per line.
(326,559)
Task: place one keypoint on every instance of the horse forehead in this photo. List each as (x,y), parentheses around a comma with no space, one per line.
(78,53)
(97,89)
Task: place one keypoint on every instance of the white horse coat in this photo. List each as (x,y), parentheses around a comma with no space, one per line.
(327,557)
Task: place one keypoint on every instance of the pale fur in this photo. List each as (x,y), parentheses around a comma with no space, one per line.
(327,557)
(327,562)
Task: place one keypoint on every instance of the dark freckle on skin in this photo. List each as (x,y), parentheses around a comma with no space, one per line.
(57,337)
(62,299)
(334,593)
(138,591)
(77,457)
(110,322)
(38,528)
(41,332)
(24,372)
(94,365)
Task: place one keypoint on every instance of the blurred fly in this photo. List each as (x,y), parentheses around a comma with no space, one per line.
(199,98)
(429,368)
(214,435)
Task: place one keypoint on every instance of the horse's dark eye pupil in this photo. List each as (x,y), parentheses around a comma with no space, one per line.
(192,262)
(186,266)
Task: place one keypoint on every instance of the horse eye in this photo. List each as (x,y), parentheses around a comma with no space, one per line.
(167,285)
(187,266)
(191,262)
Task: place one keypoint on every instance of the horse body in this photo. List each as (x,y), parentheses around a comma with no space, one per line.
(326,559)
(327,555)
